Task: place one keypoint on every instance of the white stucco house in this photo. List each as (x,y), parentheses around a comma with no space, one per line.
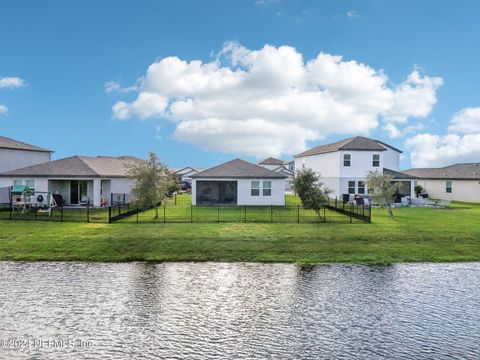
(282,167)
(238,182)
(459,182)
(185,174)
(15,154)
(343,165)
(79,179)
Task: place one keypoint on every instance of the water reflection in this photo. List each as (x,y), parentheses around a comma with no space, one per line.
(217,311)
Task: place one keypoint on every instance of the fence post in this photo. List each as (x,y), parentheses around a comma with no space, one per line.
(244,213)
(110,214)
(111,198)
(88,213)
(298,214)
(271,213)
(175,198)
(351,213)
(36,211)
(11,206)
(164,213)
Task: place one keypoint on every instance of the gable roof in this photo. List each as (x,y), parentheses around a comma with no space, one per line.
(271,161)
(358,143)
(237,169)
(397,175)
(7,143)
(78,166)
(468,171)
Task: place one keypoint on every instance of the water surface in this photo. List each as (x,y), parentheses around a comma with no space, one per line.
(218,311)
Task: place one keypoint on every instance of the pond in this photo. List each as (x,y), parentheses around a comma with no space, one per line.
(255,311)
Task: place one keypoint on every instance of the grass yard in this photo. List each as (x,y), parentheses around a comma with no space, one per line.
(415,234)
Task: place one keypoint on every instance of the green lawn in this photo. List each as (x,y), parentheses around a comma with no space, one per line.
(415,234)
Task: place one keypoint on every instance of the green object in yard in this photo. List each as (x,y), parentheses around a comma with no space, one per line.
(19,188)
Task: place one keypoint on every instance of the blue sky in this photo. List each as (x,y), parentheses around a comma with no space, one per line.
(66,51)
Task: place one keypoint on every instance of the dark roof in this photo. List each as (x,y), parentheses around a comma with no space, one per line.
(469,171)
(7,143)
(78,166)
(237,169)
(271,161)
(358,143)
(397,175)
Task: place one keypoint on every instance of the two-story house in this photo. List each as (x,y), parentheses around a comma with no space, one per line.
(343,165)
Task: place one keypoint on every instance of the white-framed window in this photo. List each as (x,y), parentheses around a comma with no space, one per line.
(448,187)
(267,188)
(30,183)
(351,187)
(255,188)
(347,160)
(361,187)
(376,160)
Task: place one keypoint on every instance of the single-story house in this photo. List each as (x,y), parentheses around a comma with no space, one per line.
(459,182)
(238,182)
(80,180)
(15,154)
(185,174)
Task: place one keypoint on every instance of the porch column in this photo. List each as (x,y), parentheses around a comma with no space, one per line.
(96,192)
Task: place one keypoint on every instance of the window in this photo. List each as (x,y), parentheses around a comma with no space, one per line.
(448,187)
(255,191)
(361,187)
(267,188)
(29,183)
(376,160)
(347,159)
(351,187)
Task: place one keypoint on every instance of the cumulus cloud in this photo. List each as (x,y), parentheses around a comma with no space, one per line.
(11,82)
(466,121)
(112,86)
(272,101)
(460,144)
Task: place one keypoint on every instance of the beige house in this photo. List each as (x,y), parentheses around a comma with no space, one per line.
(459,182)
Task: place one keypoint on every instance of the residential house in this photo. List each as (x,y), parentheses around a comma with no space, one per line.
(282,167)
(343,165)
(15,154)
(79,179)
(238,182)
(459,182)
(185,174)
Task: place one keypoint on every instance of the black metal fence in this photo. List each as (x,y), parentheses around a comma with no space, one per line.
(34,212)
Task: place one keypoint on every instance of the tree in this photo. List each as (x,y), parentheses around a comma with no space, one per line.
(152,181)
(312,192)
(418,190)
(381,189)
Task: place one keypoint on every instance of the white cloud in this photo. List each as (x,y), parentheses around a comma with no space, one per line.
(466,121)
(111,86)
(271,101)
(11,82)
(352,14)
(265,2)
(461,144)
(3,109)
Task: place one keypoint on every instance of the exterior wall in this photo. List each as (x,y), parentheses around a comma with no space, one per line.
(327,165)
(41,184)
(462,190)
(244,192)
(391,159)
(11,159)
(121,185)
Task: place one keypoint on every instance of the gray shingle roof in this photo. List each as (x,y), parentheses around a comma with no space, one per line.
(469,171)
(397,175)
(78,166)
(238,169)
(7,143)
(271,161)
(358,143)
